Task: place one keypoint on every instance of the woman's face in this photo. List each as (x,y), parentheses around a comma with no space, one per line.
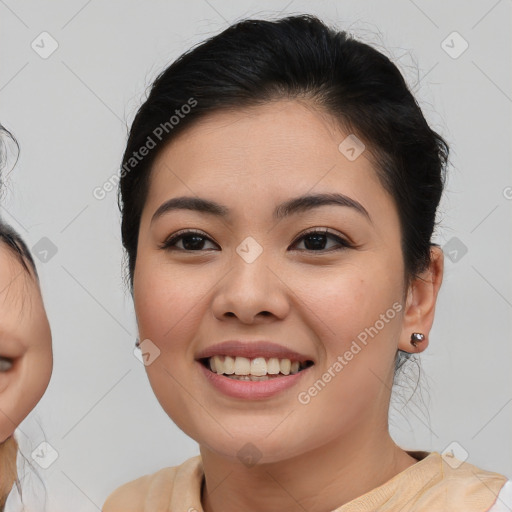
(25,343)
(251,275)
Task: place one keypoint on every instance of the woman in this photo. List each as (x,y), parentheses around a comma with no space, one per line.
(25,347)
(279,191)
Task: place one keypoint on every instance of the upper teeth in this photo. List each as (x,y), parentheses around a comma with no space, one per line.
(258,366)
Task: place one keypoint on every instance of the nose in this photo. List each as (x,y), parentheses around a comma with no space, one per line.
(251,292)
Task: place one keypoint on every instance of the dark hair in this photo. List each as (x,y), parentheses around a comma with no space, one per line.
(256,61)
(17,246)
(8,235)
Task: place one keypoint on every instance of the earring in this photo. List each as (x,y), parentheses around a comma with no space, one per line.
(137,343)
(417,337)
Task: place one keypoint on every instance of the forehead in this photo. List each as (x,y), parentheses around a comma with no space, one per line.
(269,152)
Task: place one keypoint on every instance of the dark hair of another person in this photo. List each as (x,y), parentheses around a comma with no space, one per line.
(8,236)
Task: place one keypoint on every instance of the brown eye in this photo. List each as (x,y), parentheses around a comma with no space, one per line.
(315,241)
(5,364)
(192,241)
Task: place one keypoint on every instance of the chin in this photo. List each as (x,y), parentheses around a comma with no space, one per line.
(250,449)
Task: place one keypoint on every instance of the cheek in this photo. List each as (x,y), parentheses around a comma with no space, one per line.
(167,304)
(357,319)
(168,314)
(24,387)
(348,300)
(170,307)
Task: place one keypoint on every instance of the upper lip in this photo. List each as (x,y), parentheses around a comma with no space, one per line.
(251,350)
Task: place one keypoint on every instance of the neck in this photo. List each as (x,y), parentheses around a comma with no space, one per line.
(324,478)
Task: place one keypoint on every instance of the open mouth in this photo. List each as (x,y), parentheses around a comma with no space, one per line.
(257,369)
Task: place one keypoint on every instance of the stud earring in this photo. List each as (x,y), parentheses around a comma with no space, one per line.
(137,343)
(417,337)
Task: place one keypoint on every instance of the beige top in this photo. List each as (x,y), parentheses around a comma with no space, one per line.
(430,485)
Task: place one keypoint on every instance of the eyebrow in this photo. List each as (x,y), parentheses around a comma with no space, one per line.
(290,207)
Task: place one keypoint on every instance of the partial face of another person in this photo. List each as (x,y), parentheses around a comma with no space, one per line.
(253,275)
(25,343)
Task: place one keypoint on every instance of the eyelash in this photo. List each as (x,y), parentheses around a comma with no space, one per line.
(169,243)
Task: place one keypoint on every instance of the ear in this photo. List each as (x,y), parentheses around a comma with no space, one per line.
(421,302)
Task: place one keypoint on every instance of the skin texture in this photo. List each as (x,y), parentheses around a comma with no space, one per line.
(313,457)
(25,338)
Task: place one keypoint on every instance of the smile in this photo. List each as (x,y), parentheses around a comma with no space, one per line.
(256,369)
(257,378)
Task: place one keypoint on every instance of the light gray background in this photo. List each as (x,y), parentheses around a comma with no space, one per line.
(69,112)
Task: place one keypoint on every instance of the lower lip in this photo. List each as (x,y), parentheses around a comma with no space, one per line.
(251,390)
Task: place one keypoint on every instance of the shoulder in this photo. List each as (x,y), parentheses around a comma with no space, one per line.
(153,491)
(128,497)
(503,502)
(464,486)
(443,482)
(132,496)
